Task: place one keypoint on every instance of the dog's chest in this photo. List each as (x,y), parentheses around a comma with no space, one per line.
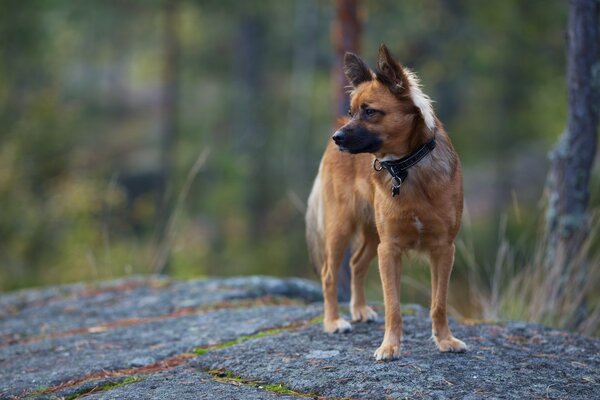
(418,224)
(413,227)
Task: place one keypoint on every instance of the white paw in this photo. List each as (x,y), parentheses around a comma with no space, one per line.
(387,352)
(451,345)
(364,314)
(339,325)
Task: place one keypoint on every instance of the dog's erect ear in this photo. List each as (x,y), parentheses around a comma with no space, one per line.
(390,73)
(402,82)
(356,70)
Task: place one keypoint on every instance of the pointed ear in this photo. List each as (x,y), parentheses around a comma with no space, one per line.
(356,70)
(390,73)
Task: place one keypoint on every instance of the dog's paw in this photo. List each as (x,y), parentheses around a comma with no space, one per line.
(451,345)
(339,325)
(387,352)
(364,314)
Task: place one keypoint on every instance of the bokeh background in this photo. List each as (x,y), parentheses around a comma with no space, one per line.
(182,137)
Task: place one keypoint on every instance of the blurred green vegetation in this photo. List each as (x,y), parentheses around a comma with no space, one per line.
(81,84)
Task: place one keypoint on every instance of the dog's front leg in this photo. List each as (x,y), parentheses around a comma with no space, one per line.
(390,265)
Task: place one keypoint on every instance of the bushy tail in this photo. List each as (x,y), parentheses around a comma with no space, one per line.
(315,231)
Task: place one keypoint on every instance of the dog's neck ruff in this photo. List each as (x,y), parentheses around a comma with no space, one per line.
(398,169)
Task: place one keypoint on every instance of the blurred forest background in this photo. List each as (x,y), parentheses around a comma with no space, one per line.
(182,137)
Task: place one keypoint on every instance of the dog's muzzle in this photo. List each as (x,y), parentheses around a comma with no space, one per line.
(356,141)
(339,138)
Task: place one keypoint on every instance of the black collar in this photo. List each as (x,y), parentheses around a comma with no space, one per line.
(398,169)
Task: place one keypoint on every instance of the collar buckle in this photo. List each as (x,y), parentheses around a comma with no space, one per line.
(396,186)
(377,165)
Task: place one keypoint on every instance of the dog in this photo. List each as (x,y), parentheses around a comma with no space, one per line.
(390,181)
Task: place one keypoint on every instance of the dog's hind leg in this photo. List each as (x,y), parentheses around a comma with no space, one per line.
(366,249)
(442,259)
(335,246)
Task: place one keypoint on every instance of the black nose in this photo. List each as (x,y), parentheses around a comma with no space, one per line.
(338,137)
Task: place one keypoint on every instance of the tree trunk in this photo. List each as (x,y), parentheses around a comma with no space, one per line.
(304,61)
(572,158)
(251,138)
(168,130)
(345,35)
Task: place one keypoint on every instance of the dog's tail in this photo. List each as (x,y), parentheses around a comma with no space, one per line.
(315,226)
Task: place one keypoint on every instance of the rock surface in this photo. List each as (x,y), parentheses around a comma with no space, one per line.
(260,338)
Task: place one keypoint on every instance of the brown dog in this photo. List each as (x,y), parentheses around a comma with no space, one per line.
(396,185)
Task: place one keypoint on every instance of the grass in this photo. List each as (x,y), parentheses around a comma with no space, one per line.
(281,389)
(226,376)
(95,389)
(106,386)
(244,338)
(203,350)
(522,284)
(165,246)
(408,311)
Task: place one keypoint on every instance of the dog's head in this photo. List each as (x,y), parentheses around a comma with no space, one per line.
(386,106)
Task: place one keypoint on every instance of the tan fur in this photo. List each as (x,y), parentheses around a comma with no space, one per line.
(315,233)
(355,204)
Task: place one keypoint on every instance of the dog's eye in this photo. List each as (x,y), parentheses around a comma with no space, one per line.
(349,112)
(369,112)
